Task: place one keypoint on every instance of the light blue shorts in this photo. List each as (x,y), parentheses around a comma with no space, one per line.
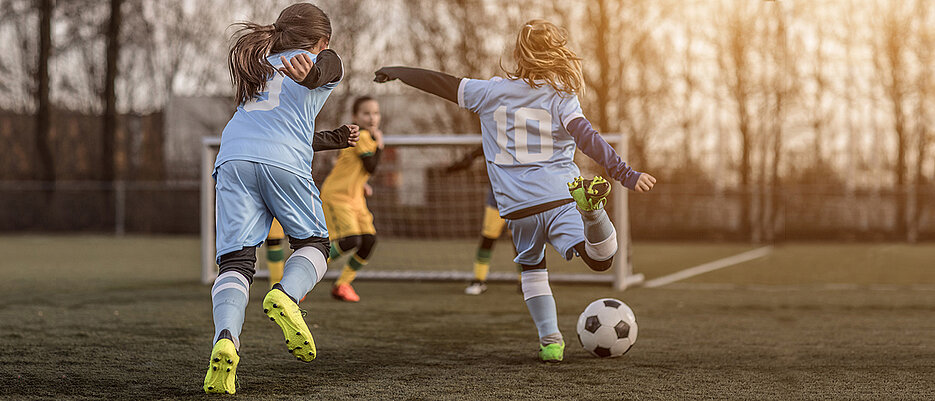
(560,227)
(250,194)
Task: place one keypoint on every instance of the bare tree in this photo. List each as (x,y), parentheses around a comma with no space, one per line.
(108,172)
(46,170)
(890,59)
(782,93)
(735,58)
(924,49)
(631,83)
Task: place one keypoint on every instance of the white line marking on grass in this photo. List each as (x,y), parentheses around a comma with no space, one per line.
(709,267)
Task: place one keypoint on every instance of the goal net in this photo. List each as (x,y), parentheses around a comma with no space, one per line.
(428,219)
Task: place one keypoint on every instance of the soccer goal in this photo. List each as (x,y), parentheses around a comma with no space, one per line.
(429,217)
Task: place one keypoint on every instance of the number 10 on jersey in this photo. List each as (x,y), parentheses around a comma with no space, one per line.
(521,120)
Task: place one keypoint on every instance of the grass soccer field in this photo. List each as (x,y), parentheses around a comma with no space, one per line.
(88,317)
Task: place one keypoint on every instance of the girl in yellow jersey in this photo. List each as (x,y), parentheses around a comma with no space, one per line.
(350,224)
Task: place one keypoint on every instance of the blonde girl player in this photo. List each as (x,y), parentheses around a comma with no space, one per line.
(531,123)
(263,170)
(343,197)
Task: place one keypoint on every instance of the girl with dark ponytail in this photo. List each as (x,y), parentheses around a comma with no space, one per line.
(264,171)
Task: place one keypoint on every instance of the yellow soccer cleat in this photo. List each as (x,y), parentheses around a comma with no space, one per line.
(286,313)
(222,369)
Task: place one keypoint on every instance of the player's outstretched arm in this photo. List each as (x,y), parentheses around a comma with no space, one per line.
(434,82)
(345,136)
(326,69)
(592,144)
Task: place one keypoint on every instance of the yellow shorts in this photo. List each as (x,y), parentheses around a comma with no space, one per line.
(275,231)
(493,223)
(347,219)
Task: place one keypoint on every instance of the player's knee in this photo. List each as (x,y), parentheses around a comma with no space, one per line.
(602,250)
(242,262)
(537,266)
(349,242)
(367,242)
(535,283)
(313,258)
(594,264)
(600,265)
(320,243)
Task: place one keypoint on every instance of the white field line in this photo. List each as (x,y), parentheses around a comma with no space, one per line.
(709,267)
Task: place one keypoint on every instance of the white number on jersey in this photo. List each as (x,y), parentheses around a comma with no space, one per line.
(521,119)
(274,87)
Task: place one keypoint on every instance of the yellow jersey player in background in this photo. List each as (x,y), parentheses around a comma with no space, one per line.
(490,231)
(343,195)
(275,255)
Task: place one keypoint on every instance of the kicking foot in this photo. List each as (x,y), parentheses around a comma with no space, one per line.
(552,353)
(589,194)
(282,310)
(222,369)
(344,292)
(477,287)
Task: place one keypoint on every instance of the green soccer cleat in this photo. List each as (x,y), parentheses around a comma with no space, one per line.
(222,369)
(552,353)
(286,313)
(589,194)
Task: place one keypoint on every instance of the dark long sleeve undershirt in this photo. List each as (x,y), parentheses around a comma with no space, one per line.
(434,82)
(592,144)
(327,69)
(466,161)
(371,161)
(334,139)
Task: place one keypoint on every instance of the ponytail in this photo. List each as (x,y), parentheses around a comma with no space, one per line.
(248,65)
(299,27)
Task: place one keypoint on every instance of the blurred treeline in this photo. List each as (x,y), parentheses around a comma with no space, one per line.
(772,105)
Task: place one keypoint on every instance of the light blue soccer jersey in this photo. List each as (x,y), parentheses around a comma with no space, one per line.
(277,128)
(529,152)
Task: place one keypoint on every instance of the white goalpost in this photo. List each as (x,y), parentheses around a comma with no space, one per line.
(622,277)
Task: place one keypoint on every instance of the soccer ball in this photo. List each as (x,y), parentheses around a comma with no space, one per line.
(607,328)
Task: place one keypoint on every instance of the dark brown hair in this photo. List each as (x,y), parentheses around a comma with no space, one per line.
(541,53)
(359,102)
(299,26)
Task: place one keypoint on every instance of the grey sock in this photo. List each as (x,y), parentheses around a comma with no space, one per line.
(597,226)
(554,338)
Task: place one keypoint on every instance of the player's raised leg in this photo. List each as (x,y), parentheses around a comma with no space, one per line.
(600,236)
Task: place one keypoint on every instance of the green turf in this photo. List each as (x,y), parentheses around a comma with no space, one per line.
(652,258)
(96,317)
(859,264)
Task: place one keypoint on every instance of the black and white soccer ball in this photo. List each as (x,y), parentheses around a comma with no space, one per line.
(607,328)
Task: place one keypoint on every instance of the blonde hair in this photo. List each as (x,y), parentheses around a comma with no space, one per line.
(541,55)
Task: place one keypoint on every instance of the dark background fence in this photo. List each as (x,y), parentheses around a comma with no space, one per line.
(451,206)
